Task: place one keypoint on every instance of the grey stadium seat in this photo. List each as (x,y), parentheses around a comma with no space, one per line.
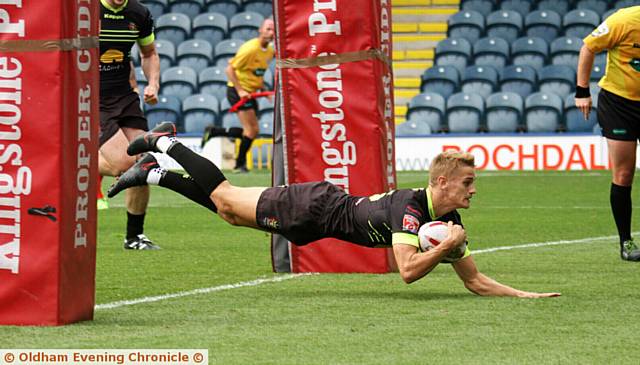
(156,7)
(428,108)
(175,27)
(575,120)
(212,27)
(545,24)
(195,53)
(521,80)
(245,25)
(190,8)
(225,50)
(484,7)
(228,8)
(491,51)
(412,128)
(565,51)
(543,112)
(559,79)
(482,80)
(464,113)
(453,52)
(523,7)
(262,7)
(559,6)
(213,81)
(580,22)
(505,24)
(179,82)
(466,24)
(530,51)
(166,110)
(443,80)
(503,112)
(166,52)
(199,111)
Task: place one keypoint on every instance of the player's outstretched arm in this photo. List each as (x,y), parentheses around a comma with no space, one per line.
(481,284)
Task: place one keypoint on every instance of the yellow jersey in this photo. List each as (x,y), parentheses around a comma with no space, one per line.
(620,35)
(251,62)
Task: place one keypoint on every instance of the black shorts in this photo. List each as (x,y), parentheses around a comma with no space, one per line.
(618,117)
(233,97)
(299,212)
(120,111)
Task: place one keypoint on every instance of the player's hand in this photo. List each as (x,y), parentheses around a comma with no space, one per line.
(456,236)
(151,95)
(584,105)
(244,94)
(531,295)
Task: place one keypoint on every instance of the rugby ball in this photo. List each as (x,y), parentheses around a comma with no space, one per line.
(431,234)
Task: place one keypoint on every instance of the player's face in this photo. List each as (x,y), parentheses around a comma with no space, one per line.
(267,31)
(117,3)
(461,186)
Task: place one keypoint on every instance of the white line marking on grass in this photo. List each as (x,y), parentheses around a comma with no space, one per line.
(158,298)
(543,244)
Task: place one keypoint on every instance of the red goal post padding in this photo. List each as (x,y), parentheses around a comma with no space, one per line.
(48,160)
(336,100)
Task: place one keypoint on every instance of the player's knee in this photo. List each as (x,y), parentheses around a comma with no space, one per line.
(623,177)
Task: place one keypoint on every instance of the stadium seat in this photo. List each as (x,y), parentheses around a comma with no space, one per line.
(482,80)
(268,79)
(174,27)
(530,51)
(179,82)
(559,79)
(559,6)
(597,6)
(225,50)
(464,113)
(453,52)
(264,106)
(491,51)
(213,81)
(518,79)
(580,23)
(443,80)
(195,53)
(545,24)
(624,4)
(428,108)
(505,24)
(156,7)
(575,120)
(466,24)
(245,25)
(228,119)
(135,54)
(565,51)
(608,13)
(484,7)
(166,110)
(412,128)
(141,79)
(597,72)
(228,8)
(503,112)
(166,52)
(265,122)
(199,111)
(212,27)
(190,8)
(523,7)
(262,7)
(543,112)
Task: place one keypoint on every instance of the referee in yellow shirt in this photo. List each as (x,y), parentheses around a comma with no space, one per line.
(618,109)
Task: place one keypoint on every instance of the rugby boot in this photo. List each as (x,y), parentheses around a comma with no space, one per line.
(629,251)
(147,142)
(140,242)
(135,176)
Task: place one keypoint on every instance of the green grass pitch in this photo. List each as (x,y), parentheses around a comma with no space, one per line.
(372,319)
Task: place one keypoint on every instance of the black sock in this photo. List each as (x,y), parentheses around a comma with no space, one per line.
(207,175)
(620,198)
(135,225)
(187,187)
(245,145)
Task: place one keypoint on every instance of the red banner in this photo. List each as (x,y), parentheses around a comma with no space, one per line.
(49,124)
(337,99)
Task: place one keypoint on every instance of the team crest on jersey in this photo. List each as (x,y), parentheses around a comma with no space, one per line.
(410,223)
(601,30)
(133,26)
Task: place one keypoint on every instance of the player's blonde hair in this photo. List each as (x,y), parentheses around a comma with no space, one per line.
(447,162)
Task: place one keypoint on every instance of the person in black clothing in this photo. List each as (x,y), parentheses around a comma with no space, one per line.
(306,212)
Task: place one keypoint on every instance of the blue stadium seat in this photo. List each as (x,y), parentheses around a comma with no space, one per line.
(213,81)
(228,119)
(518,79)
(464,113)
(484,7)
(559,79)
(523,7)
(543,112)
(505,24)
(453,52)
(195,53)
(166,110)
(264,106)
(624,4)
(608,13)
(597,72)
(245,25)
(565,51)
(166,52)
(575,120)
(265,122)
(559,6)
(580,23)
(174,27)
(491,51)
(228,8)
(601,58)
(190,8)
(268,79)
(199,111)
(212,27)
(412,128)
(598,6)
(503,112)
(545,24)
(466,24)
(530,51)
(262,7)
(156,7)
(443,80)
(225,50)
(482,80)
(179,82)
(428,108)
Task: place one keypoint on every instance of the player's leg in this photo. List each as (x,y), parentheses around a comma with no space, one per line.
(249,120)
(237,205)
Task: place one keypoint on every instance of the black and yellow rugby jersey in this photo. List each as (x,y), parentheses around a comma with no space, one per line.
(119,29)
(620,35)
